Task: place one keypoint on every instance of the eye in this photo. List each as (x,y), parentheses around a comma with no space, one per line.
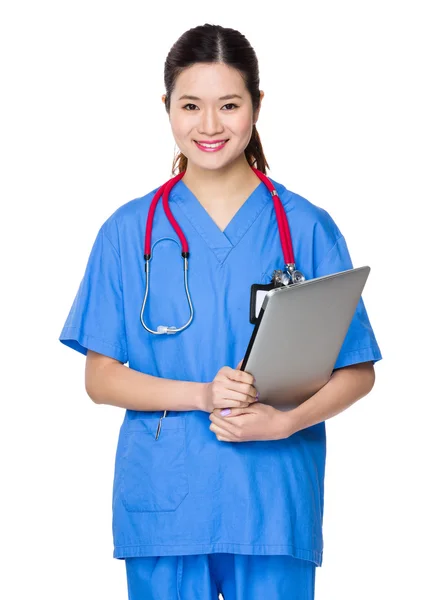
(194,105)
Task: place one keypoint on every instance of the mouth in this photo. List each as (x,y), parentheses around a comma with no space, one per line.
(211,146)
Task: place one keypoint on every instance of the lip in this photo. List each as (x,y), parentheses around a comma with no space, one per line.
(210,141)
(198,144)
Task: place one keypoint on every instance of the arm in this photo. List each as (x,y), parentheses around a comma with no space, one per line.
(346,386)
(264,422)
(108,381)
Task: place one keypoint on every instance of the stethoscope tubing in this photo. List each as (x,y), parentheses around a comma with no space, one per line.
(164,190)
(282,221)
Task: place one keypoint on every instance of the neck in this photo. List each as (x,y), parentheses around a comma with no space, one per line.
(227,182)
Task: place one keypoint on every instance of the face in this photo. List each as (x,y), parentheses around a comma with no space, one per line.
(210,103)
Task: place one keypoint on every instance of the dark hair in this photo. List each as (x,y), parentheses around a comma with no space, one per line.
(216,44)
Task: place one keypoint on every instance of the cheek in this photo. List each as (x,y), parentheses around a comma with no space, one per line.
(243,128)
(181,127)
(177,131)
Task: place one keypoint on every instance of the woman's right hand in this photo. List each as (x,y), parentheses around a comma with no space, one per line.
(230,388)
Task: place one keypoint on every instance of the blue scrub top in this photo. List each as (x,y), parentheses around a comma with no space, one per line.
(189,493)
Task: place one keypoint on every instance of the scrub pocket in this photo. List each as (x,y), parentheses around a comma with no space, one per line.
(153,472)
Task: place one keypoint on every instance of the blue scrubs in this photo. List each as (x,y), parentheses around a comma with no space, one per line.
(235,576)
(188,493)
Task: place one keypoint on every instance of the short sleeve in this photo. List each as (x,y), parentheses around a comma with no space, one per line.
(96,317)
(360,344)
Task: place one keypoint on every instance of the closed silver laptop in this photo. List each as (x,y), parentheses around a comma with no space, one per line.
(298,336)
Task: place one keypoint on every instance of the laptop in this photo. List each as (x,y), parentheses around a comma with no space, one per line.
(298,336)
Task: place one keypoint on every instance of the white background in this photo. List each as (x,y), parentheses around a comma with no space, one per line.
(348,121)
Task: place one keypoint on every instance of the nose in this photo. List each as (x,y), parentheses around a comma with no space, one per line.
(210,122)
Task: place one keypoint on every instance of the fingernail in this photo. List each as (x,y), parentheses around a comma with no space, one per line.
(226,411)
(257,396)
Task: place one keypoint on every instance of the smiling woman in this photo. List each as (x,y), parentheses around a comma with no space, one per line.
(210,124)
(206,502)
(211,120)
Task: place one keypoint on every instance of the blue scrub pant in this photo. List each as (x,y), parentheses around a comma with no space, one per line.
(205,576)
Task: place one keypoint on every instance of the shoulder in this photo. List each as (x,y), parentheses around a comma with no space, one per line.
(309,216)
(127,216)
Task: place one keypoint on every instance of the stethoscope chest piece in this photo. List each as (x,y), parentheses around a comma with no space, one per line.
(296,276)
(287,277)
(280,278)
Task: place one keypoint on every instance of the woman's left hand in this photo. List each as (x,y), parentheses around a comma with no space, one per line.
(256,422)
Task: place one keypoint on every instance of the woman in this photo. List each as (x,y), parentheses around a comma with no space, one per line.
(206,502)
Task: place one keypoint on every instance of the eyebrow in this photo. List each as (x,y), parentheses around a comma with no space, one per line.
(228,97)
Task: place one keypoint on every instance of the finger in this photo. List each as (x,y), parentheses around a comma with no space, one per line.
(224,438)
(225,424)
(221,434)
(234,390)
(234,412)
(233,404)
(231,398)
(237,394)
(236,375)
(239,365)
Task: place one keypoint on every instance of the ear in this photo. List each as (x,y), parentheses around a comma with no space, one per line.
(256,114)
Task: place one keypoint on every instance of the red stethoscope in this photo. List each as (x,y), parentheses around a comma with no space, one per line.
(287,276)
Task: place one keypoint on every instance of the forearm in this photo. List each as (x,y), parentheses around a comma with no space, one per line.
(118,385)
(346,386)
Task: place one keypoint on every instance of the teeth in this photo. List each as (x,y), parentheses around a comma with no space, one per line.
(211,145)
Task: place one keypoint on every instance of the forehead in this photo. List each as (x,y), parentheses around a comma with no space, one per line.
(209,80)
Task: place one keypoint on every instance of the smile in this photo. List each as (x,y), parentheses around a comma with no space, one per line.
(211,147)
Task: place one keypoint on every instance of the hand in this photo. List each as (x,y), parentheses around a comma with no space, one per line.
(256,422)
(231,388)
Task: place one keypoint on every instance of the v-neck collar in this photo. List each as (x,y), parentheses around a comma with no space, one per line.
(220,242)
